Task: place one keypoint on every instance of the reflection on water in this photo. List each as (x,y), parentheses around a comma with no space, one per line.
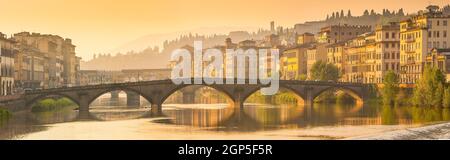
(220,117)
(266,117)
(26,122)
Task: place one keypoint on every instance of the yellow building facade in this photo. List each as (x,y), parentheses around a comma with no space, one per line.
(418,36)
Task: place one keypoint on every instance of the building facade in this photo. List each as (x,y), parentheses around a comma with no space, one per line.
(418,35)
(47,60)
(318,52)
(440,58)
(338,33)
(293,63)
(7,53)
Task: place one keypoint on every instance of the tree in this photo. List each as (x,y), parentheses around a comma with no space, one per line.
(349,14)
(446,99)
(390,88)
(372,13)
(429,88)
(366,12)
(400,12)
(324,71)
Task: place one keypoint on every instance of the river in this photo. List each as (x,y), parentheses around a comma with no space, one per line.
(220,121)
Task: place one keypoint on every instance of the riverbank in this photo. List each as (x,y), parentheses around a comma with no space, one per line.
(430,132)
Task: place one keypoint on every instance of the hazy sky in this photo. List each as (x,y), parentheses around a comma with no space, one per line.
(102,25)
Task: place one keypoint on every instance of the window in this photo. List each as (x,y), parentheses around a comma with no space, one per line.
(438,23)
(445,34)
(387,35)
(429,34)
(444,22)
(437,34)
(393,35)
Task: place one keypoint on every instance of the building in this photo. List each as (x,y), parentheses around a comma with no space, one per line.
(357,51)
(440,58)
(29,67)
(133,75)
(318,52)
(293,63)
(95,77)
(7,53)
(388,48)
(418,35)
(335,55)
(368,57)
(50,54)
(338,33)
(305,38)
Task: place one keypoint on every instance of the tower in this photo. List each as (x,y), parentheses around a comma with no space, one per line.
(272,27)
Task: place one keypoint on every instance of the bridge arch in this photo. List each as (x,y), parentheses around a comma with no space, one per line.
(180,87)
(353,93)
(299,96)
(30,103)
(124,89)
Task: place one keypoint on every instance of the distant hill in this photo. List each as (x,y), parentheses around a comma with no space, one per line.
(153,57)
(370,18)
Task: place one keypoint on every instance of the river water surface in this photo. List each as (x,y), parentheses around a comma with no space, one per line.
(219,121)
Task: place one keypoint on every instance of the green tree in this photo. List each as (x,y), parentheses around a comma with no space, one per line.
(390,88)
(429,88)
(446,99)
(324,71)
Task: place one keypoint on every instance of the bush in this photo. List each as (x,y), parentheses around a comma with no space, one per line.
(52,105)
(390,88)
(4,115)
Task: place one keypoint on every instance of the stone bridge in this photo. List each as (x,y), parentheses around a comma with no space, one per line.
(156,92)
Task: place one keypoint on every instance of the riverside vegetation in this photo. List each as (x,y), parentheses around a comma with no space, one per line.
(431,90)
(52,105)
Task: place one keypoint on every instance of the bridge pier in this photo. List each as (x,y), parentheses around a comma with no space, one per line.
(114,101)
(83,110)
(133,99)
(238,104)
(156,109)
(309,102)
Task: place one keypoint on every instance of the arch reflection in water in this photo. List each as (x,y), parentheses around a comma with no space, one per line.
(119,105)
(268,117)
